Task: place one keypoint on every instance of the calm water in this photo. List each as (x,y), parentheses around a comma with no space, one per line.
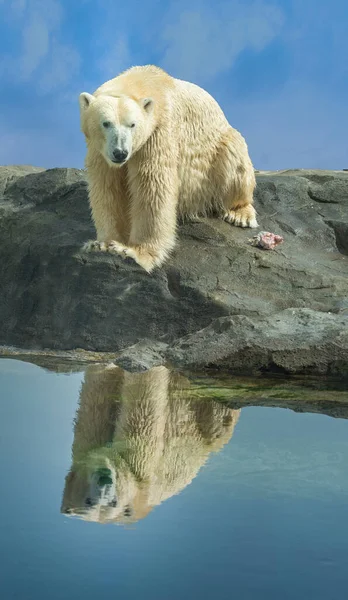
(129,486)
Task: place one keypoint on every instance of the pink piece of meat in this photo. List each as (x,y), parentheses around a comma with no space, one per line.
(267,240)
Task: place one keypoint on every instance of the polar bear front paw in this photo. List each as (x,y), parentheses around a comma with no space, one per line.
(244,216)
(146,260)
(97,246)
(94,246)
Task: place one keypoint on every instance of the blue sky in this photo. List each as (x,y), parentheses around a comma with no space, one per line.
(279,69)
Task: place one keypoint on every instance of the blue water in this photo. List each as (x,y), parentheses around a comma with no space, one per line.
(264,517)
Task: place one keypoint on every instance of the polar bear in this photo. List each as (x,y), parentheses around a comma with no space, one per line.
(139,439)
(160,149)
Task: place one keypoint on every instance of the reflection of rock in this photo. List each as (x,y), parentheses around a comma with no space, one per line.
(139,439)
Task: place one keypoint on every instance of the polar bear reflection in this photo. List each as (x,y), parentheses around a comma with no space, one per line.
(138,440)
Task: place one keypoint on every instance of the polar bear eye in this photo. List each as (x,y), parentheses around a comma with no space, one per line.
(132,125)
(106,124)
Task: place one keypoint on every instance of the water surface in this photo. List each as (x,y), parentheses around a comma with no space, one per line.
(147,486)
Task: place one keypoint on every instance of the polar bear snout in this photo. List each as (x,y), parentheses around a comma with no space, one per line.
(119,155)
(118,146)
(118,143)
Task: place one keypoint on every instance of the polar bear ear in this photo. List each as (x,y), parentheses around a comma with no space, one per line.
(148,104)
(85,99)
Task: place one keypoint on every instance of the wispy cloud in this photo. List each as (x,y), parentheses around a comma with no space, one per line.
(300,127)
(115,58)
(200,45)
(278,69)
(15,8)
(42,56)
(64,62)
(35,46)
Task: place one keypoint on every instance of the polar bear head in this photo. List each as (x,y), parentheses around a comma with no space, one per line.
(105,493)
(117,127)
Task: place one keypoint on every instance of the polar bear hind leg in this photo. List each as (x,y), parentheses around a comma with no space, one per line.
(239,181)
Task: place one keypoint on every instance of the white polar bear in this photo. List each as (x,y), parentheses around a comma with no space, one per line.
(159,148)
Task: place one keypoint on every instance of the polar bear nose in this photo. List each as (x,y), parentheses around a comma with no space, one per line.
(119,156)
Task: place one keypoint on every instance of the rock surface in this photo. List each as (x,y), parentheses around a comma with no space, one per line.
(218,302)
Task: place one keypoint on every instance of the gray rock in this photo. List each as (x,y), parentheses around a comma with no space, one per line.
(142,356)
(291,341)
(54,296)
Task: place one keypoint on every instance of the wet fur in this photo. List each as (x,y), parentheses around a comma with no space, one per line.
(187,161)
